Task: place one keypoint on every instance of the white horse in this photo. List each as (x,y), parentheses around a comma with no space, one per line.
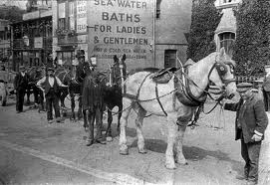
(176,100)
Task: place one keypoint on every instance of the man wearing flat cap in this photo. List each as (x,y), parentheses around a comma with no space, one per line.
(52,84)
(250,124)
(20,85)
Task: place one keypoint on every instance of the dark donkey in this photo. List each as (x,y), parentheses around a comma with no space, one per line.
(100,92)
(113,92)
(68,77)
(36,73)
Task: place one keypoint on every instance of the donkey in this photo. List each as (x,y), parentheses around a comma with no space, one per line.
(176,100)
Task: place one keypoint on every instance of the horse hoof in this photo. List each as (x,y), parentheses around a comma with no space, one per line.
(124,151)
(142,151)
(109,139)
(182,162)
(170,166)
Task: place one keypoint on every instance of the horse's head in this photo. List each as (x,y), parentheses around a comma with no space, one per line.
(222,74)
(118,71)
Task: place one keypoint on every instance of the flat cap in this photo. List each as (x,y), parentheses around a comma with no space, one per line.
(244,86)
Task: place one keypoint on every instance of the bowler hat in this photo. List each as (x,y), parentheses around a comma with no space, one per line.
(244,86)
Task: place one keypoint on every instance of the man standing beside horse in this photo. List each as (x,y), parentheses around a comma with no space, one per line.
(52,84)
(250,124)
(20,86)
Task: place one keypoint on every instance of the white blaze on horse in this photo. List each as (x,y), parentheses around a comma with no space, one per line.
(177,99)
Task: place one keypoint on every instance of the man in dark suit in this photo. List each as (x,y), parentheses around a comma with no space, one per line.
(250,124)
(266,91)
(20,86)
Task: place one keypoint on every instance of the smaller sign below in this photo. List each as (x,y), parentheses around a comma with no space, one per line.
(38,42)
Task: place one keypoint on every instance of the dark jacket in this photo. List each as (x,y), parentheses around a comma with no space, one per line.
(48,86)
(266,84)
(251,116)
(21,82)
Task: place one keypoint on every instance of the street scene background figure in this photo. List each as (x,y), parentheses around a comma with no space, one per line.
(20,86)
(52,84)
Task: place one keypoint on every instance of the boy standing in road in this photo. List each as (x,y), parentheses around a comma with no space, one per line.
(250,124)
(52,84)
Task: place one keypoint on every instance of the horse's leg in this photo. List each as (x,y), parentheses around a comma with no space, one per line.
(127,105)
(80,108)
(109,123)
(28,93)
(36,96)
(180,158)
(172,129)
(120,109)
(139,123)
(72,99)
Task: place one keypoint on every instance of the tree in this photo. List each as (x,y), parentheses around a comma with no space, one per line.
(11,13)
(252,37)
(204,21)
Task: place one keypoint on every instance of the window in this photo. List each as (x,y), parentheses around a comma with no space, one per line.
(62,15)
(62,23)
(158,9)
(170,58)
(226,40)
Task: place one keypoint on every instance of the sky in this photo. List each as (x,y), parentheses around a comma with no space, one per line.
(19,3)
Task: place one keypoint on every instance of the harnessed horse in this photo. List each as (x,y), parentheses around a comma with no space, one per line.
(176,100)
(68,77)
(99,92)
(113,92)
(35,74)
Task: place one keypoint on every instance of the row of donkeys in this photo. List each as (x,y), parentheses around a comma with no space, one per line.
(174,93)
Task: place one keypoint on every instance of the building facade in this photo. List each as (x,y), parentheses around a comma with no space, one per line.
(104,28)
(225,33)
(4,40)
(32,37)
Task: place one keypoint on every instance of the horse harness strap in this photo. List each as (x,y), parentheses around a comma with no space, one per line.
(135,97)
(156,89)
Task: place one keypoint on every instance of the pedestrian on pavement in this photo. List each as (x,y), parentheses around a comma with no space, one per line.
(52,84)
(20,86)
(250,124)
(266,91)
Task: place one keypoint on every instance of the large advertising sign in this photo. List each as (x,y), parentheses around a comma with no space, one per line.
(119,27)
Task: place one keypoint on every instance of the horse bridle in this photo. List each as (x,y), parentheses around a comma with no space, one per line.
(221,69)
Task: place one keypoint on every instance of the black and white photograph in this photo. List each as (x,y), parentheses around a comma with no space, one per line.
(134,92)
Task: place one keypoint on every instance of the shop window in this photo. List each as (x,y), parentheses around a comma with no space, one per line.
(170,58)
(226,41)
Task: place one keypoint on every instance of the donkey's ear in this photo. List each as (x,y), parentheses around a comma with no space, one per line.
(115,58)
(124,57)
(222,53)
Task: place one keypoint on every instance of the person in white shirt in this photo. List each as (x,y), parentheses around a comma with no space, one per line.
(51,91)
